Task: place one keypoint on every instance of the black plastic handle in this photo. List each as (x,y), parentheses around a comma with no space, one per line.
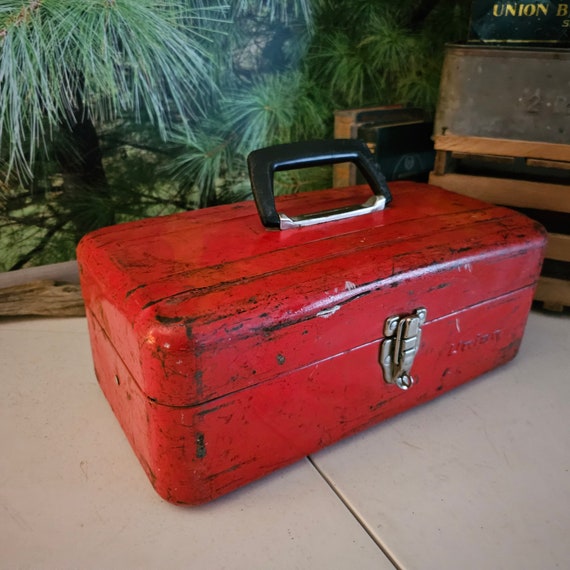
(263,163)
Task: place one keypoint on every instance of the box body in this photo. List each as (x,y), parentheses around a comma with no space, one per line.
(227,350)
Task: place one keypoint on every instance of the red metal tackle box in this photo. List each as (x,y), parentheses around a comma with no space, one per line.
(228,347)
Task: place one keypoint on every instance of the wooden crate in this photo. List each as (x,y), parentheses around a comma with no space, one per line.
(505,93)
(520,174)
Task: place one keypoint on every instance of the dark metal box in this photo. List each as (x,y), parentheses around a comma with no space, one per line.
(530,22)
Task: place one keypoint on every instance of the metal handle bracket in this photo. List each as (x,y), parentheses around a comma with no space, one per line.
(374,204)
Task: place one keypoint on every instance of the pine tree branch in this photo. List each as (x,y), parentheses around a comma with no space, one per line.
(40,246)
(117,141)
(22,16)
(105,59)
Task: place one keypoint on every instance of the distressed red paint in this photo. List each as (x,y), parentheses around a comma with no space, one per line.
(240,349)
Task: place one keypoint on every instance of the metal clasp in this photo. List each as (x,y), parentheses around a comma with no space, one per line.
(400,346)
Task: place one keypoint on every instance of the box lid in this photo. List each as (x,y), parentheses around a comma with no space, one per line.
(205,303)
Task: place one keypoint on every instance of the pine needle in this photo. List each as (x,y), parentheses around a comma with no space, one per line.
(63,59)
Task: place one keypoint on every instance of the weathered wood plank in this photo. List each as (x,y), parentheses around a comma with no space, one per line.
(508,192)
(503,147)
(46,298)
(558,247)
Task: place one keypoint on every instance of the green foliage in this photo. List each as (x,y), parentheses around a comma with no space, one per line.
(383,52)
(264,99)
(60,59)
(114,110)
(276,108)
(203,159)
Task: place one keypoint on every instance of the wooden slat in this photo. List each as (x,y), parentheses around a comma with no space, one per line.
(507,192)
(495,159)
(344,174)
(442,162)
(553,292)
(344,124)
(503,147)
(558,247)
(548,163)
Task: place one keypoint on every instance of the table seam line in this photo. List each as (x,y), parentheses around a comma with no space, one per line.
(355,514)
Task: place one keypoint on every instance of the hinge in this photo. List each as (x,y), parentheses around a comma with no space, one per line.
(400,346)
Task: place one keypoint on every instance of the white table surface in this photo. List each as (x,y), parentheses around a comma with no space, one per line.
(476,479)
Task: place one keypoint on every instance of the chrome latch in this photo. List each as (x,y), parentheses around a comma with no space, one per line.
(400,346)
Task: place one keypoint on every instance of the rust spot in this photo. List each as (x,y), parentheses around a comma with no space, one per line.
(148,470)
(150,303)
(511,349)
(198,379)
(200,446)
(168,320)
(460,249)
(129,293)
(233,468)
(210,410)
(440,286)
(378,405)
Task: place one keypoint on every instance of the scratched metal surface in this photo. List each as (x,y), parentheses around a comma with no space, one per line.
(216,293)
(227,351)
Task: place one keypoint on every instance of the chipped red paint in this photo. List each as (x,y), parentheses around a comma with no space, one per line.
(240,349)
